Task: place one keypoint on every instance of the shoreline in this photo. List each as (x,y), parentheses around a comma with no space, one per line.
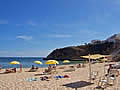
(42,65)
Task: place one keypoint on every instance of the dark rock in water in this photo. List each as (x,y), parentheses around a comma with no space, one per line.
(108,46)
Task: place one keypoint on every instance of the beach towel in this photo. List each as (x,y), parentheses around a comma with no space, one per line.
(66,76)
(32,79)
(59,77)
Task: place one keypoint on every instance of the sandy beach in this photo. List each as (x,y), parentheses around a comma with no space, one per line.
(19,80)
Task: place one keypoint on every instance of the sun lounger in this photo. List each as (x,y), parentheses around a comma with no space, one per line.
(94,75)
(102,82)
(106,81)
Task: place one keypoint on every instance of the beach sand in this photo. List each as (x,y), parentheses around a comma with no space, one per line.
(18,80)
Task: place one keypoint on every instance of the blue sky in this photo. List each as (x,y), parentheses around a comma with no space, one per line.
(36,27)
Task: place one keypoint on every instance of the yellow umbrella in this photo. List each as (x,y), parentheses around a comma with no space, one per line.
(51,62)
(14,62)
(95,56)
(37,62)
(103,60)
(66,61)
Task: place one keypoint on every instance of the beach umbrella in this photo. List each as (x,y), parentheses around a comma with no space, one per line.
(14,62)
(95,56)
(104,59)
(52,62)
(66,61)
(38,62)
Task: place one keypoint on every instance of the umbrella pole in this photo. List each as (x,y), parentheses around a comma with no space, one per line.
(104,66)
(89,69)
(55,67)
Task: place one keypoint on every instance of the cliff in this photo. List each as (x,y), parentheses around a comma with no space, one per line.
(108,46)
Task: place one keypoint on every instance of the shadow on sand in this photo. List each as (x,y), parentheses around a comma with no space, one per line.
(78,84)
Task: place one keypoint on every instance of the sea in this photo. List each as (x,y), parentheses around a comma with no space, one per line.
(27,62)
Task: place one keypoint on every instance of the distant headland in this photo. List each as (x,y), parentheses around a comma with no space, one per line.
(109,46)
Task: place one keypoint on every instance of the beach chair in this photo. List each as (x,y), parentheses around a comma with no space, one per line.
(94,75)
(114,71)
(107,81)
(111,78)
(102,82)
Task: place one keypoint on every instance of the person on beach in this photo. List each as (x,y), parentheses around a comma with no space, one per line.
(0,67)
(79,65)
(49,69)
(110,67)
(83,65)
(9,70)
(54,67)
(33,69)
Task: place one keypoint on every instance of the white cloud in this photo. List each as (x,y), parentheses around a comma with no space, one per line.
(3,22)
(61,36)
(24,37)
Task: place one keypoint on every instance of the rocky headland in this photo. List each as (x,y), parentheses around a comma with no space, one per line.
(110,46)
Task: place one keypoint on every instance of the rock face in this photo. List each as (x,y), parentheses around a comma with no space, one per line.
(68,52)
(108,46)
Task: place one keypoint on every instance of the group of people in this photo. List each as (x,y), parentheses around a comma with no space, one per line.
(50,68)
(33,69)
(10,70)
(111,69)
(81,65)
